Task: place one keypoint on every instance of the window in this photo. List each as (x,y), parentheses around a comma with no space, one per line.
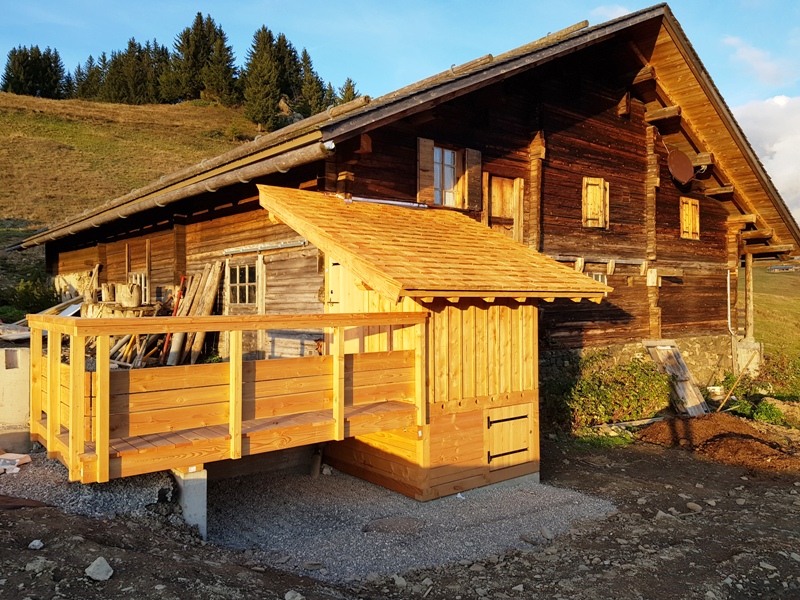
(600,277)
(445,171)
(242,286)
(690,219)
(448,176)
(595,202)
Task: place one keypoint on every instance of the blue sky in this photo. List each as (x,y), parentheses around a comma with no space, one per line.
(751,48)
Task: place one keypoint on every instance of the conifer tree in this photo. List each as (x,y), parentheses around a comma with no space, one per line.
(219,73)
(312,88)
(348,91)
(31,72)
(261,91)
(331,99)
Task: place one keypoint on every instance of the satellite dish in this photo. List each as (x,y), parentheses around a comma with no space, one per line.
(680,165)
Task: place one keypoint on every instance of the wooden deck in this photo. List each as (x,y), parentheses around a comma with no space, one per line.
(116,423)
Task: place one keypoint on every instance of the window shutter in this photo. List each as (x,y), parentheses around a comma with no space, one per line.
(685,217)
(690,219)
(595,202)
(473,186)
(425,171)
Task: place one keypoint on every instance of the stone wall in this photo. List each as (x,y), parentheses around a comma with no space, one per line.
(708,357)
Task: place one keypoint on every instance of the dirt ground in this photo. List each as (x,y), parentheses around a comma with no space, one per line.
(689,526)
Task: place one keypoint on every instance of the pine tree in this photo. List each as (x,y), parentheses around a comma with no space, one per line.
(89,80)
(31,72)
(348,91)
(331,99)
(289,69)
(312,88)
(69,86)
(261,91)
(219,73)
(192,51)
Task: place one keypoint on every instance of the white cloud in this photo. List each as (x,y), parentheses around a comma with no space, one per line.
(759,62)
(773,128)
(609,11)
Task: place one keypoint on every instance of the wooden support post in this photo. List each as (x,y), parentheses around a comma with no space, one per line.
(533,217)
(36,380)
(235,392)
(749,328)
(651,189)
(77,370)
(53,391)
(102,399)
(337,352)
(420,374)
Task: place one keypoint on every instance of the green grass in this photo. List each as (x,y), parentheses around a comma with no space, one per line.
(777,309)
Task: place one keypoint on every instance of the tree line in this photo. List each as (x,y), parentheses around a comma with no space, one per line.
(276,86)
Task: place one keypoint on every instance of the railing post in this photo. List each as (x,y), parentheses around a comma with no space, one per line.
(420,372)
(235,392)
(102,401)
(53,390)
(337,353)
(77,369)
(36,380)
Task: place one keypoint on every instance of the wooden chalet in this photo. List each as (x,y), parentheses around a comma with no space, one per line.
(403,258)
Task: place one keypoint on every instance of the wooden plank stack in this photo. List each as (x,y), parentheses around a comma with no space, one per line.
(137,351)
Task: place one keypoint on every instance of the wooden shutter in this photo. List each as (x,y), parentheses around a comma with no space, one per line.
(595,202)
(690,219)
(473,187)
(425,183)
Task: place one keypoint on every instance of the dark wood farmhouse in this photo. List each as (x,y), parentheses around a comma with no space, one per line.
(467,215)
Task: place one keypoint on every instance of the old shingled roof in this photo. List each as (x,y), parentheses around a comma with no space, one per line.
(423,252)
(311,138)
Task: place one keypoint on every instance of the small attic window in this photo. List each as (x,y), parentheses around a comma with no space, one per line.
(445,175)
(595,202)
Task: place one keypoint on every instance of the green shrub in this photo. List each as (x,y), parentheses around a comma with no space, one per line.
(11,314)
(782,373)
(768,413)
(611,393)
(35,295)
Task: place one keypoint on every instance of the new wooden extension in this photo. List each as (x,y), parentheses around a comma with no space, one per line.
(103,424)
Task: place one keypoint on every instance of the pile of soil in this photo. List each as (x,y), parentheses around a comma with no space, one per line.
(725,439)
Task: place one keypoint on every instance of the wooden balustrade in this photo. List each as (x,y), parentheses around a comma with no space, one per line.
(110,423)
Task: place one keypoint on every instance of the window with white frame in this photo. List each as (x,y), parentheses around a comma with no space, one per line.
(242,284)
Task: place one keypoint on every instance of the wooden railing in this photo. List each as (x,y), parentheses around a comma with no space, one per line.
(81,427)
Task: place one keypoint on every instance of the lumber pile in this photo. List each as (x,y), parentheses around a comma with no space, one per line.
(195,296)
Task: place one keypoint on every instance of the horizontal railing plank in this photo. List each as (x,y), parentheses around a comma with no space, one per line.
(124,326)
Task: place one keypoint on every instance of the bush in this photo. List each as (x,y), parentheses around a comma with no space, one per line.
(11,314)
(611,393)
(768,413)
(35,295)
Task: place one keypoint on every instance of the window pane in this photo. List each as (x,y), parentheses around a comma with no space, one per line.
(437,196)
(251,293)
(242,294)
(234,272)
(251,273)
(449,157)
(449,198)
(437,155)
(449,178)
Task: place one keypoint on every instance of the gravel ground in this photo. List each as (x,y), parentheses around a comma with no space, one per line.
(47,481)
(339,528)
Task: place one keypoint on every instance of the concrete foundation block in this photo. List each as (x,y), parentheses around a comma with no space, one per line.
(193,496)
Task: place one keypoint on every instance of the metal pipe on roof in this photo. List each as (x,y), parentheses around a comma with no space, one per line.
(281,163)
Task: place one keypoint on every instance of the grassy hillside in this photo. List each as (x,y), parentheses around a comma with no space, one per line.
(777,309)
(58,158)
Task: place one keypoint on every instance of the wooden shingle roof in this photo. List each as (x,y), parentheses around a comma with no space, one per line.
(423,252)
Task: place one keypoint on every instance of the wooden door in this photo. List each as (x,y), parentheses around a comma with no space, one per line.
(503,210)
(509,436)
